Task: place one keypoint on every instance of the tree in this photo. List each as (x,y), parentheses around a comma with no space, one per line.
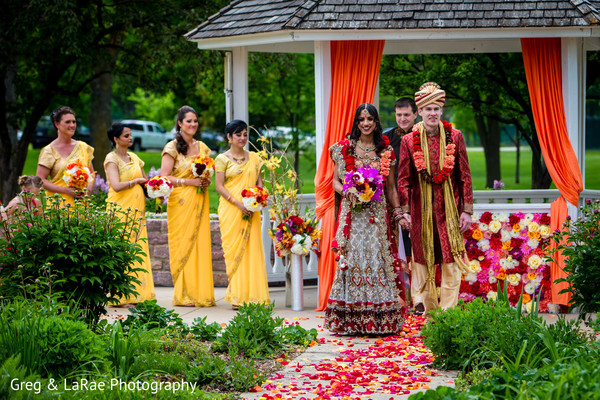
(59,49)
(281,92)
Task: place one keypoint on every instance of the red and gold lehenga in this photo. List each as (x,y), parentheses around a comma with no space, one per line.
(364,297)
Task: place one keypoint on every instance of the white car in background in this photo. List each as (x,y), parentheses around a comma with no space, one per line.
(147,134)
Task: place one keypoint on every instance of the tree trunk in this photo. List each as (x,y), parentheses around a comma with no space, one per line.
(100,119)
(540,177)
(100,116)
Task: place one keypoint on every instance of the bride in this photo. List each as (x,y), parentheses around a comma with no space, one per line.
(364,297)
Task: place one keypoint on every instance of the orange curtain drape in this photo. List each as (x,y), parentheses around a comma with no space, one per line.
(354,72)
(542,61)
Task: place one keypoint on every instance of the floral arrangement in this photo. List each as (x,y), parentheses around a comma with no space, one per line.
(254,198)
(365,183)
(292,233)
(510,250)
(77,176)
(449,159)
(202,167)
(159,186)
(296,235)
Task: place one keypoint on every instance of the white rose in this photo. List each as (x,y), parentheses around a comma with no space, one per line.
(492,279)
(483,227)
(505,236)
(495,226)
(503,217)
(533,226)
(513,279)
(474,266)
(530,287)
(527,307)
(491,295)
(533,243)
(529,217)
(515,234)
(483,244)
(534,261)
(545,231)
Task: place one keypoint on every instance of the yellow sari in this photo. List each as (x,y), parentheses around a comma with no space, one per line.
(241,238)
(135,199)
(51,159)
(189,235)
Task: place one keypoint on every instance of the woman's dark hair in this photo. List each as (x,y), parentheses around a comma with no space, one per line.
(235,126)
(182,146)
(57,114)
(114,132)
(377,132)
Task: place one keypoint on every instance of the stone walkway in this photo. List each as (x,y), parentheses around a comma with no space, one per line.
(338,367)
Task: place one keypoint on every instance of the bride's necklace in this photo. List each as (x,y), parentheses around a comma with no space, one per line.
(366,149)
(238,160)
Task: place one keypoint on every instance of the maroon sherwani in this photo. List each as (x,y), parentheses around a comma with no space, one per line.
(410,193)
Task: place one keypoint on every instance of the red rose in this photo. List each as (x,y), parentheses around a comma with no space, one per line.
(545,219)
(447,126)
(486,217)
(513,219)
(497,235)
(495,244)
(516,243)
(485,263)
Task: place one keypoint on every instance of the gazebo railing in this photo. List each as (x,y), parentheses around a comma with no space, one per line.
(508,201)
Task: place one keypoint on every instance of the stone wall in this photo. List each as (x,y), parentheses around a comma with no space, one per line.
(159,253)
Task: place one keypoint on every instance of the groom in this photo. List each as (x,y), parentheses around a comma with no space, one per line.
(436,195)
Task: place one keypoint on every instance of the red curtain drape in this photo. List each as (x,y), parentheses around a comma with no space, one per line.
(543,68)
(354,72)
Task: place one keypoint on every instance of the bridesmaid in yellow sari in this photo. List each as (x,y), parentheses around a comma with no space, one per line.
(61,152)
(188,216)
(235,170)
(125,175)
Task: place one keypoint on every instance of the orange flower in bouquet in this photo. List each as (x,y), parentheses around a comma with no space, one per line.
(77,176)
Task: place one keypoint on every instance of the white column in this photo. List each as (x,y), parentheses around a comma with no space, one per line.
(322,92)
(228,85)
(573,87)
(240,83)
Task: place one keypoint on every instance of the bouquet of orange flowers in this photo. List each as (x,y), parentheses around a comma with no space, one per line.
(203,167)
(254,198)
(77,176)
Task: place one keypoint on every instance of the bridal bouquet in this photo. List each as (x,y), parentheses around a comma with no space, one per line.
(77,176)
(296,235)
(254,198)
(365,184)
(203,167)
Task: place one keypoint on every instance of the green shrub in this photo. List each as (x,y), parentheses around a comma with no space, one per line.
(12,374)
(203,331)
(230,375)
(295,335)
(125,349)
(48,345)
(252,332)
(149,315)
(85,246)
(579,242)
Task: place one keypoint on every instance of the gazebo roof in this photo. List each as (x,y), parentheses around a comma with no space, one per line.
(244,19)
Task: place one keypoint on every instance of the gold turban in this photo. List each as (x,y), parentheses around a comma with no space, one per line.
(430,93)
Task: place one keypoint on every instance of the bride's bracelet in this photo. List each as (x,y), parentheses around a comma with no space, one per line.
(397,214)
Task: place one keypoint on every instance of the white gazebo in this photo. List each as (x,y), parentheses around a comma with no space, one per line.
(408,27)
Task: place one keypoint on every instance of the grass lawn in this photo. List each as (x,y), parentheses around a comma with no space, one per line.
(476,160)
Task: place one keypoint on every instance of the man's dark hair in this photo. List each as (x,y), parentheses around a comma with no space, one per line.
(406,102)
